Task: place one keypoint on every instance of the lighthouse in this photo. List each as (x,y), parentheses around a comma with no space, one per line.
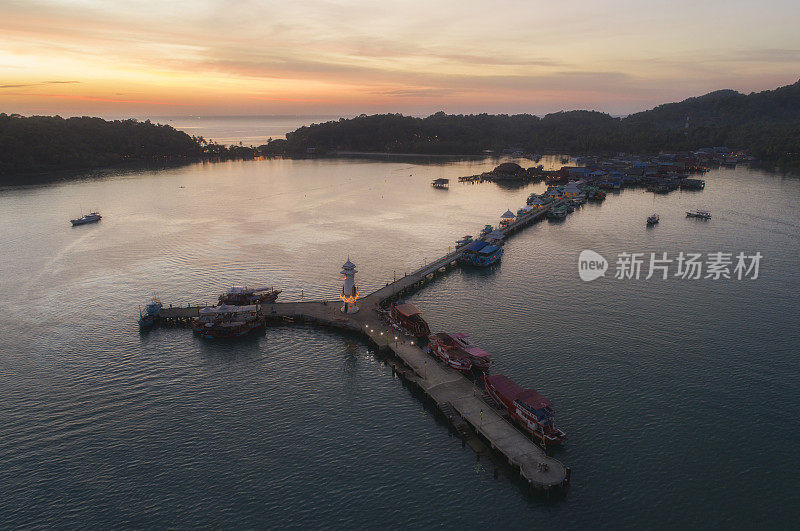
(349,290)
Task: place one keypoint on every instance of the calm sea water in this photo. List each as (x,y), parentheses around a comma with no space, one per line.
(680,397)
(249,130)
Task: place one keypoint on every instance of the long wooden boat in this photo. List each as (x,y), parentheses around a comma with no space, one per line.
(227,321)
(410,318)
(457,351)
(527,408)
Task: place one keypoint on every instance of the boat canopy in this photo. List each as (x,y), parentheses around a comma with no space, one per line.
(489,249)
(477,352)
(476,246)
(407,309)
(533,399)
(505,387)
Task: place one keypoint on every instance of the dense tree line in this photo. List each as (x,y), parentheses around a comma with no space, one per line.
(766,123)
(42,143)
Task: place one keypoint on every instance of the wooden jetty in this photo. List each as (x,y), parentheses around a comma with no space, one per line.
(468,409)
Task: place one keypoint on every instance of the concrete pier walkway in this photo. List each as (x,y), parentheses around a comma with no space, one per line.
(447,388)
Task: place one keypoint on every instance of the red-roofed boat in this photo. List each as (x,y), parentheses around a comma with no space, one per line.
(457,351)
(527,407)
(445,347)
(410,318)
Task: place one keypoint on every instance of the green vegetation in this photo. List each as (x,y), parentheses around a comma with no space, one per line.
(52,143)
(765,123)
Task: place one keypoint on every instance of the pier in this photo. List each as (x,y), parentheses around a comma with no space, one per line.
(469,410)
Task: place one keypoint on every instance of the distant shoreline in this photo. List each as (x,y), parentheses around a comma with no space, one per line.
(390,154)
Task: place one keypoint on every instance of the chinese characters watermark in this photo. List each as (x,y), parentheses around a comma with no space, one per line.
(691,266)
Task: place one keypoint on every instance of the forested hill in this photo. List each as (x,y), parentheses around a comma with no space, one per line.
(766,123)
(42,143)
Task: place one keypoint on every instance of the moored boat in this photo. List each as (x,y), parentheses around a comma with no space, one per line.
(457,351)
(410,318)
(652,220)
(527,407)
(443,346)
(701,214)
(226,321)
(244,296)
(92,217)
(147,318)
(480,253)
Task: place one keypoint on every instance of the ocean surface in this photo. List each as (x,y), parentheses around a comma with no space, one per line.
(248,130)
(680,397)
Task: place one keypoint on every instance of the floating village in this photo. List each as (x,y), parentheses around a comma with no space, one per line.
(502,421)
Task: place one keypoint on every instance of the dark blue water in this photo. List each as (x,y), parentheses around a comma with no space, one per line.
(679,397)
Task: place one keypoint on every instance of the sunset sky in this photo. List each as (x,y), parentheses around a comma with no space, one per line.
(136,57)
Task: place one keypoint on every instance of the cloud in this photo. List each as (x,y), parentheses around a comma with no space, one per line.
(416,92)
(36,84)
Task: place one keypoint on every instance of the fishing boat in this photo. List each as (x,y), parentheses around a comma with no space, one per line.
(444,347)
(466,240)
(652,220)
(92,217)
(480,253)
(527,407)
(244,296)
(147,318)
(701,214)
(457,351)
(227,321)
(410,319)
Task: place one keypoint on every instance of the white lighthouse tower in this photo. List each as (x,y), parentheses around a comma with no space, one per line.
(349,290)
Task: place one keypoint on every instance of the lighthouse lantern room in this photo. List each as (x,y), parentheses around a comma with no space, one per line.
(349,290)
